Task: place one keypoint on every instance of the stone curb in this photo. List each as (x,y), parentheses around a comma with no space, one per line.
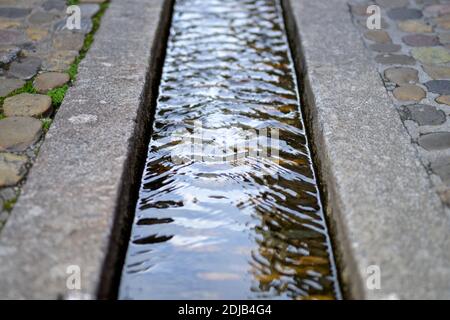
(79,192)
(380,201)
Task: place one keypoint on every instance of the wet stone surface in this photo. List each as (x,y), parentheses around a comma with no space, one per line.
(210,225)
(33,39)
(418,72)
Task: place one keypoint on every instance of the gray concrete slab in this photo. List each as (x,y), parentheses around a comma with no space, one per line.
(380,201)
(78,192)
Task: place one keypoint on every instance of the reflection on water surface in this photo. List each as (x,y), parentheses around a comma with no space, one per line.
(237,229)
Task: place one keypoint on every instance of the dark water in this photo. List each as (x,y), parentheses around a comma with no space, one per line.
(229,207)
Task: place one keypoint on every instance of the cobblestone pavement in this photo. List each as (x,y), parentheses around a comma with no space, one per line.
(412,52)
(38,61)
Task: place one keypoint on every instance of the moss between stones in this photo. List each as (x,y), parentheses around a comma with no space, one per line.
(9,204)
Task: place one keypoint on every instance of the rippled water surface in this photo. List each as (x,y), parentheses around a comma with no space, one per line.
(238,223)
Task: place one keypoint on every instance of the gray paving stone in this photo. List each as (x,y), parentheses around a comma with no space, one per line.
(25,68)
(12,37)
(27,105)
(423,115)
(420,40)
(88,10)
(379,36)
(401,75)
(445,196)
(385,47)
(41,18)
(441,167)
(435,140)
(359,9)
(415,26)
(37,33)
(8,54)
(9,85)
(431,55)
(409,92)
(50,80)
(404,14)
(59,61)
(58,5)
(443,100)
(401,59)
(439,86)
(437,72)
(18,133)
(392,3)
(12,169)
(13,13)
(437,10)
(68,41)
(443,22)
(444,38)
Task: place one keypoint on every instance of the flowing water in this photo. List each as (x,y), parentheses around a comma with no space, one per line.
(229,206)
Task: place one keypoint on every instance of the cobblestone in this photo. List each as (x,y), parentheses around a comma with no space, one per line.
(27,105)
(50,80)
(19,133)
(420,27)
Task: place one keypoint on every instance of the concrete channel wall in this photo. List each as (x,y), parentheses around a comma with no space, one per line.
(380,203)
(81,190)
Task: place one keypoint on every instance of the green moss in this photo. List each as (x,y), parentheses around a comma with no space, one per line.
(46,122)
(9,204)
(57,95)
(72,2)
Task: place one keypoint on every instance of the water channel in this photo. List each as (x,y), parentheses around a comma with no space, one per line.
(229,206)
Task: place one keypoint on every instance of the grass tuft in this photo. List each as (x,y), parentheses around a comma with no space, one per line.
(9,204)
(57,95)
(46,122)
